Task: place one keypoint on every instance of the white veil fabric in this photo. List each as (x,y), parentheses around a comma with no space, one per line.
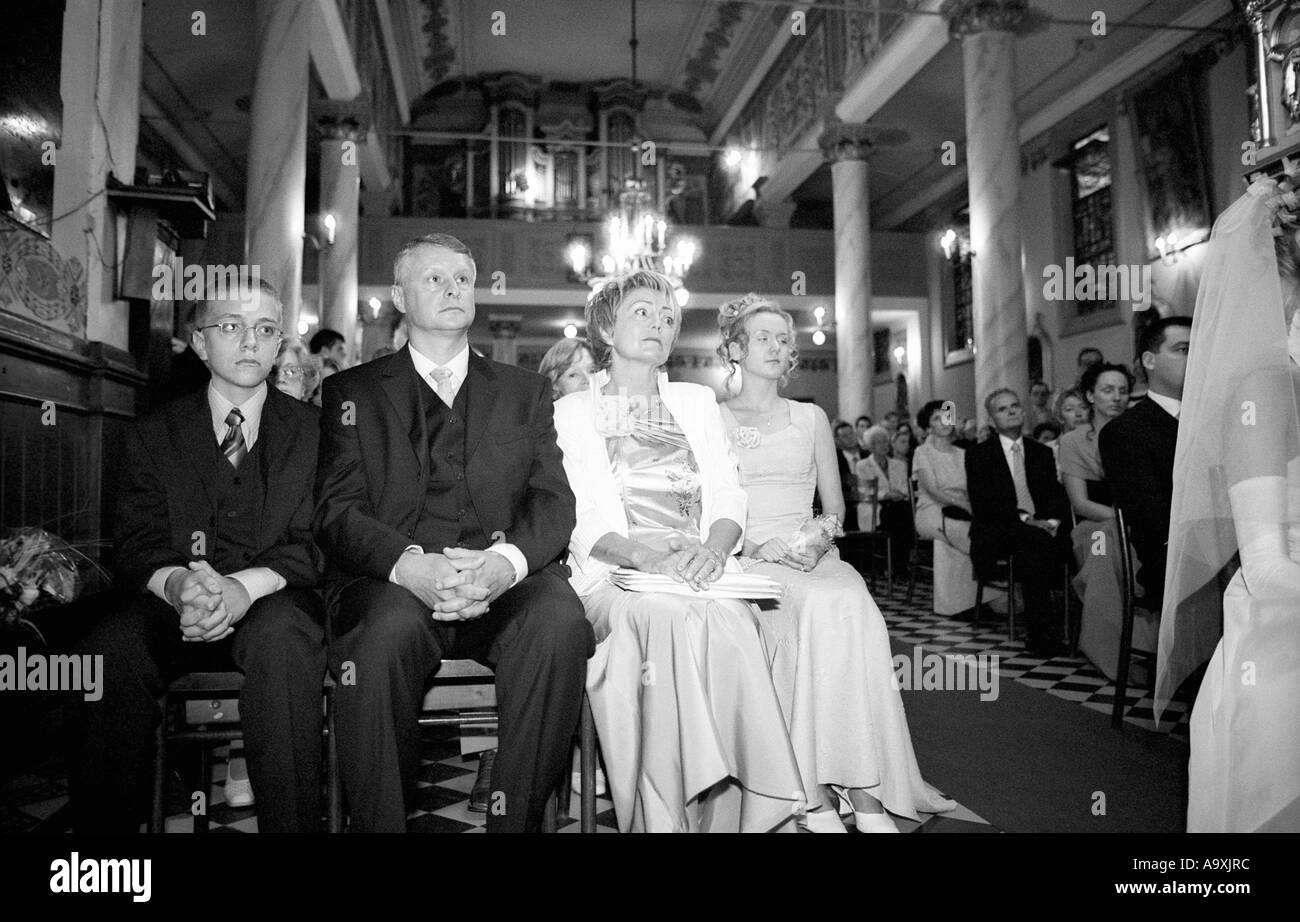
(1238,425)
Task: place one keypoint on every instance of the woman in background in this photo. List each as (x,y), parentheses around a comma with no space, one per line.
(1106,388)
(568,365)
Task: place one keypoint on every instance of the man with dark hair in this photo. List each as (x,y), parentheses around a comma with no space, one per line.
(1017,507)
(1089,355)
(445,514)
(1040,405)
(847,456)
(1137,450)
(215,567)
(329,344)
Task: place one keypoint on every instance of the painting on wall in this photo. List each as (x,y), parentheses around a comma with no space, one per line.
(1173,162)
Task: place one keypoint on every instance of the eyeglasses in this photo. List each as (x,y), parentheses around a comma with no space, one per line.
(291,371)
(231,329)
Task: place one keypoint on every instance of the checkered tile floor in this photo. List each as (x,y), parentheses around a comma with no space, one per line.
(35,801)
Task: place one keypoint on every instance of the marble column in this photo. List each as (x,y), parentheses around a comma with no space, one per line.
(987,30)
(340,191)
(505,333)
(847,147)
(277,148)
(99,82)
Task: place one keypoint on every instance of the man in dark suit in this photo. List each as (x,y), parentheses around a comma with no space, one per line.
(215,568)
(444,513)
(847,456)
(1017,507)
(1137,450)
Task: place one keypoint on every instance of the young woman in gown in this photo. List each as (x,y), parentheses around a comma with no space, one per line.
(831,661)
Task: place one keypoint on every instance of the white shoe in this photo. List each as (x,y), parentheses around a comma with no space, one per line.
(576,783)
(823,820)
(239,790)
(866,822)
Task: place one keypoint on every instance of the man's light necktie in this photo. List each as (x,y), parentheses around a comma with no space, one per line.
(233,445)
(1023,499)
(442,384)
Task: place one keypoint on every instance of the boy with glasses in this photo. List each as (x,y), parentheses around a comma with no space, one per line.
(215,569)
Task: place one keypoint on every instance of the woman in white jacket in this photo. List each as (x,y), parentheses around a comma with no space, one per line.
(692,732)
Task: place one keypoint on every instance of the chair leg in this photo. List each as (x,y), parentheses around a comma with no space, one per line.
(1011,598)
(587,744)
(889,565)
(205,785)
(979,598)
(548,819)
(334,786)
(159,771)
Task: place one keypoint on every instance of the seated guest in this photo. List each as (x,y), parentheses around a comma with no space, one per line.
(1049,434)
(890,422)
(903,445)
(967,434)
(691,727)
(1017,506)
(1095,540)
(1137,451)
(830,656)
(215,567)
(330,345)
(1040,405)
(568,366)
(847,456)
(860,427)
(943,511)
(443,511)
(295,373)
(1088,355)
(885,505)
(1072,409)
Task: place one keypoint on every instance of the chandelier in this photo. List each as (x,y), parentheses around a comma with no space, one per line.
(636,237)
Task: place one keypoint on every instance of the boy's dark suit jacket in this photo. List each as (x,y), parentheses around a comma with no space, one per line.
(993,497)
(371,489)
(165,498)
(1137,455)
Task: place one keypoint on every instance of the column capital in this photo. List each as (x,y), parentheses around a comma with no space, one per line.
(847,141)
(970,17)
(342,120)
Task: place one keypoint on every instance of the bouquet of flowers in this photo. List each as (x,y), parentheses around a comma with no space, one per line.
(37,569)
(816,535)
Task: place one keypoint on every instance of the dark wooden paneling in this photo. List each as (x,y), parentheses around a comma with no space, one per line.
(62,409)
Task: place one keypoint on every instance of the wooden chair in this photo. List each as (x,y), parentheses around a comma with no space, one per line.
(1008,582)
(1128,593)
(914,559)
(872,539)
(211,716)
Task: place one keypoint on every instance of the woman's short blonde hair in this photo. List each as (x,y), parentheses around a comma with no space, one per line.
(603,305)
(557,360)
(732,316)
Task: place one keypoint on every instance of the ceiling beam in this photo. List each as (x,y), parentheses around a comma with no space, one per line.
(903,56)
(389,38)
(332,54)
(1124,68)
(161,120)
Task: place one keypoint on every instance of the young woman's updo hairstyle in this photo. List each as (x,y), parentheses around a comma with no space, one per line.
(732,316)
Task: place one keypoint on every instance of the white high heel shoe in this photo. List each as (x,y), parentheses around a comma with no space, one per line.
(823,820)
(866,822)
